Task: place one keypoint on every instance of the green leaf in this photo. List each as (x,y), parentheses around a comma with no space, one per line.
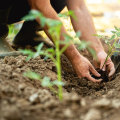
(53,23)
(118,34)
(113,32)
(50,50)
(117,45)
(99,36)
(27,52)
(33,14)
(39,50)
(92,51)
(67,14)
(83,45)
(78,34)
(32,75)
(72,14)
(46,82)
(56,82)
(116,28)
(113,37)
(67,40)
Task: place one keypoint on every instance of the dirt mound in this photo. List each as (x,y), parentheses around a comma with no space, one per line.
(25,99)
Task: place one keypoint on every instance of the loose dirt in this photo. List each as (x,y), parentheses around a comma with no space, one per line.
(25,99)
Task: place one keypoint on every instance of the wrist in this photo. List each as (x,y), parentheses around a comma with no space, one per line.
(95,44)
(72,53)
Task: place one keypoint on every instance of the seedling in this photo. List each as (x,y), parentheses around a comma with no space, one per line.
(113,44)
(45,82)
(54,54)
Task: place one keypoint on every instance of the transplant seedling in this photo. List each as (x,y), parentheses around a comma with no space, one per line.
(113,47)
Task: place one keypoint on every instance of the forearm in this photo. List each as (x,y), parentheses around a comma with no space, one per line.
(71,52)
(85,25)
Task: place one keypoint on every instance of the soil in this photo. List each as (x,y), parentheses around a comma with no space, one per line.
(22,98)
(104,75)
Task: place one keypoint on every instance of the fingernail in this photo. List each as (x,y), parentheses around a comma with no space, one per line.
(99,75)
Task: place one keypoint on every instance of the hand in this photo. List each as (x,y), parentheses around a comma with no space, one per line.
(109,66)
(83,68)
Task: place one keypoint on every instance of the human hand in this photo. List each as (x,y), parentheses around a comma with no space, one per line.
(109,66)
(83,68)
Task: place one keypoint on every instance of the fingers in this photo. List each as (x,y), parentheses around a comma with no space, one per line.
(111,69)
(92,79)
(88,76)
(94,71)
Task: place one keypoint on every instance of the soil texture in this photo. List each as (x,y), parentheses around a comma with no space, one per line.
(22,98)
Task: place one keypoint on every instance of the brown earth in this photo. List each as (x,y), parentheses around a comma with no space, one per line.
(25,99)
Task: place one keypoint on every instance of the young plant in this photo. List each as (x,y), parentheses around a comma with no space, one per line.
(45,82)
(54,29)
(113,44)
(54,54)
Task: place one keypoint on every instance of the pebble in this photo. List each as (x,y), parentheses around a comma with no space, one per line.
(116,103)
(68,113)
(102,103)
(34,98)
(93,114)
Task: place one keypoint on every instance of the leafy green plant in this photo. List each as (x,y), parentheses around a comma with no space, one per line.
(45,82)
(54,28)
(54,54)
(112,42)
(13,30)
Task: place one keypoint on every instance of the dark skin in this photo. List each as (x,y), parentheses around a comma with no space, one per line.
(81,65)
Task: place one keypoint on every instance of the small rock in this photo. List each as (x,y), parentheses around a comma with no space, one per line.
(12,113)
(34,98)
(71,97)
(14,74)
(93,114)
(116,103)
(68,113)
(20,63)
(102,103)
(18,70)
(83,102)
(22,86)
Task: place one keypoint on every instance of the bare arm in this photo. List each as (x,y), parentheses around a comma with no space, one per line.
(80,64)
(84,23)
(45,7)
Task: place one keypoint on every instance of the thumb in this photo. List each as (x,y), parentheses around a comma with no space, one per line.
(112,69)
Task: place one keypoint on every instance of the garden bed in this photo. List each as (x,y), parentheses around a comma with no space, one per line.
(22,98)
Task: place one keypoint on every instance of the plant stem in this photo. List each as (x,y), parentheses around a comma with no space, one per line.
(53,90)
(60,91)
(109,53)
(106,59)
(58,66)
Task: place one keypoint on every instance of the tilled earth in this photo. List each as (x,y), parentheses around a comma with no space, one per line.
(22,98)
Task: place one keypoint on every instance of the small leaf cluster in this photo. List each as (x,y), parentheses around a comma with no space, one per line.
(112,42)
(45,82)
